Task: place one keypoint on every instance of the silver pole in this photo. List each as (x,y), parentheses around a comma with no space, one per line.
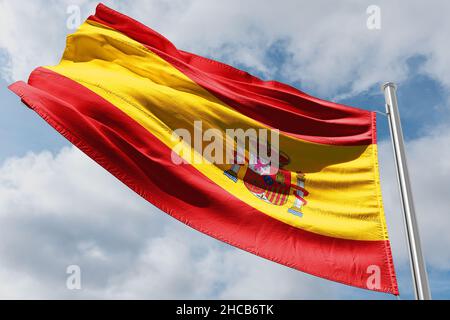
(418,268)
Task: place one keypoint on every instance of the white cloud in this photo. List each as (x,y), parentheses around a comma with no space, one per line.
(29,36)
(327,46)
(63,209)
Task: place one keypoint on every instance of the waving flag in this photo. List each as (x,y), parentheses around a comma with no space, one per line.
(120,92)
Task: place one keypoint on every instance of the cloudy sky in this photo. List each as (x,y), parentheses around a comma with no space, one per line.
(59,208)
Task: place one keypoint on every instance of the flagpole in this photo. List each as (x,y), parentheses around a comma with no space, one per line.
(418,268)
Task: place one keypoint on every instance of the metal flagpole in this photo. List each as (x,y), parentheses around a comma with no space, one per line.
(418,268)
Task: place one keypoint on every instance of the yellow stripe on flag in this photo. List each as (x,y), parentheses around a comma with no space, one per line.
(341,180)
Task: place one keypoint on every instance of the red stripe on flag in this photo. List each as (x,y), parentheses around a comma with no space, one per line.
(143,163)
(272,103)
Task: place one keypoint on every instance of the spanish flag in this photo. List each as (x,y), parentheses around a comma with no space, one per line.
(120,92)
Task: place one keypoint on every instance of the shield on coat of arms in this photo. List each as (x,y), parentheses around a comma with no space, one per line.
(270,188)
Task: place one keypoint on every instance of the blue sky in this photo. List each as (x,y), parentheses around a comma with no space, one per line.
(35,161)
